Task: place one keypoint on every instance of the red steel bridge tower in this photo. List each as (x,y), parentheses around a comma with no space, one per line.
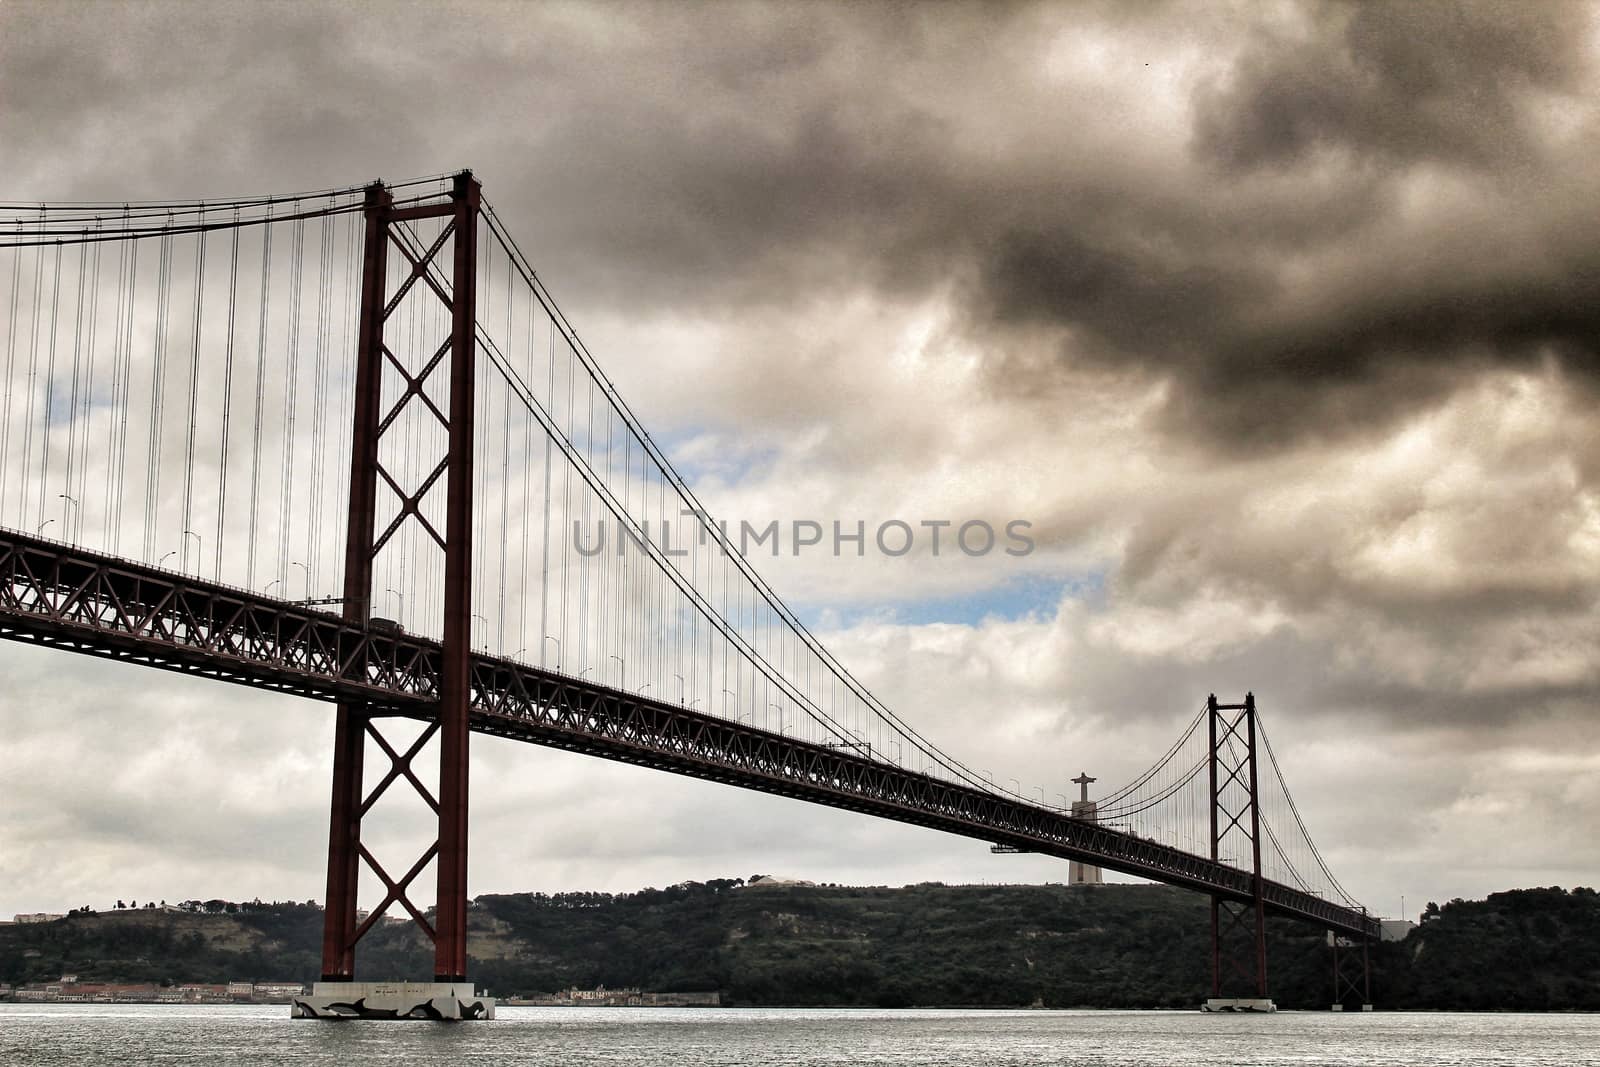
(454,359)
(1239,926)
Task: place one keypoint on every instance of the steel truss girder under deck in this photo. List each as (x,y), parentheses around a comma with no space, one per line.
(71,598)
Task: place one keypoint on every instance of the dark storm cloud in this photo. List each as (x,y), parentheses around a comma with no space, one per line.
(1274,266)
(1395,81)
(1268,256)
(1389,89)
(1344,327)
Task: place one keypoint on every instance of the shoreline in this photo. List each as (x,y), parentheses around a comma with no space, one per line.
(988,1009)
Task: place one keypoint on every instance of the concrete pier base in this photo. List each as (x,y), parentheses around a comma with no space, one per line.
(1255,1004)
(439,1001)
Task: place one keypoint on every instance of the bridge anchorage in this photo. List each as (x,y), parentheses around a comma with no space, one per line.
(450,601)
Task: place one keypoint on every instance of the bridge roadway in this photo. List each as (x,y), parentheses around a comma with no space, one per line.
(66,597)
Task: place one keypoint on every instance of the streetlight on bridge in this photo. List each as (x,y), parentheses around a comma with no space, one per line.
(199,547)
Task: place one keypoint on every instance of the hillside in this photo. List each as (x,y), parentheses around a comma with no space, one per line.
(1525,950)
(1111,946)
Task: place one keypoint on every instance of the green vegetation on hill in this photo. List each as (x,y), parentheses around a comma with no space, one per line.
(1109,946)
(258,942)
(922,945)
(1524,950)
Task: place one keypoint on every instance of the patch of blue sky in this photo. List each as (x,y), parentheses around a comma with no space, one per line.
(730,464)
(1019,598)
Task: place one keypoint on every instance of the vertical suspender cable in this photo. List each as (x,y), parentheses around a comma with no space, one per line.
(194,399)
(567,535)
(291,390)
(115,476)
(72,399)
(11,356)
(152,468)
(50,386)
(33,371)
(12,329)
(319,407)
(79,491)
(347,347)
(505,489)
(50,378)
(227,404)
(261,371)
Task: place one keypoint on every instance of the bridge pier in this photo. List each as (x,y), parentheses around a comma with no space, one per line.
(1239,1004)
(428,1001)
(1349,981)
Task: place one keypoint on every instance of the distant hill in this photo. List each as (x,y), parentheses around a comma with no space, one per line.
(1115,946)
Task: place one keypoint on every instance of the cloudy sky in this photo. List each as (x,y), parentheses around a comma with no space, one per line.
(1278,323)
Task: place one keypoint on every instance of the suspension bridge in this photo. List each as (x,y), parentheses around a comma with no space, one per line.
(344,445)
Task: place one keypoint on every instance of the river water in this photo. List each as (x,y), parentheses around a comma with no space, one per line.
(577,1037)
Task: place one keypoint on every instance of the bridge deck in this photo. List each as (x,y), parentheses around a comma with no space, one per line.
(70,598)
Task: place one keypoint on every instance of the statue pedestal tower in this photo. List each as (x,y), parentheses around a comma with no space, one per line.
(1079,873)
